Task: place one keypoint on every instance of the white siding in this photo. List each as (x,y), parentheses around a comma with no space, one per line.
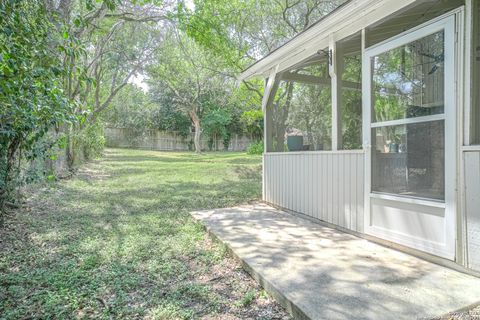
(472,197)
(324,185)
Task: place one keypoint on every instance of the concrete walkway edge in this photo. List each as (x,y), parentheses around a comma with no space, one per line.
(291,307)
(319,272)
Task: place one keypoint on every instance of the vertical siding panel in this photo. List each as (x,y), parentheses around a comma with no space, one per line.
(325,187)
(341,190)
(336,190)
(297,169)
(360,195)
(300,183)
(329,189)
(357,194)
(295,165)
(330,199)
(271,179)
(317,185)
(266,176)
(346,191)
(278,182)
(353,193)
(306,183)
(291,169)
(284,186)
(288,182)
(278,199)
(337,160)
(472,188)
(315,181)
(334,218)
(321,178)
(309,192)
(282,179)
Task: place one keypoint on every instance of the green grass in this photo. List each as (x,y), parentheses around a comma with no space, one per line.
(117,241)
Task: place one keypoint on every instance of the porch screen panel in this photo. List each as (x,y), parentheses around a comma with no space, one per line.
(349,68)
(301,109)
(475,125)
(418,168)
(409,81)
(408,126)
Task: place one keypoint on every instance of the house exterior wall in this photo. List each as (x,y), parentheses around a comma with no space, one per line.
(330,185)
(472,207)
(326,185)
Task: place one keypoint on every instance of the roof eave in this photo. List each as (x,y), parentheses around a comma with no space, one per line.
(359,13)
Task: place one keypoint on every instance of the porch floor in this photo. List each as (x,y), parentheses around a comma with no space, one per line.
(321,273)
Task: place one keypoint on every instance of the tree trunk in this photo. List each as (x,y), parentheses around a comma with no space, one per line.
(7,183)
(70,148)
(282,112)
(196,123)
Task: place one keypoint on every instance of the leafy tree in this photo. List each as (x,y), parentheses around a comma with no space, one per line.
(135,109)
(184,72)
(253,121)
(169,118)
(32,100)
(109,41)
(215,125)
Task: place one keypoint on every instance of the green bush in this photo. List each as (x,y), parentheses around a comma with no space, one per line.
(92,140)
(255,148)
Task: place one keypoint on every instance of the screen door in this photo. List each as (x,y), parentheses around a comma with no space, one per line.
(409,133)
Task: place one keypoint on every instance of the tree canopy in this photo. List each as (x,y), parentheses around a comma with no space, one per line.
(70,67)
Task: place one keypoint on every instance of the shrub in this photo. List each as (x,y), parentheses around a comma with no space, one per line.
(255,148)
(93,141)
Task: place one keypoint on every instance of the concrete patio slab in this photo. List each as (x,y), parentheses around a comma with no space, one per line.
(321,273)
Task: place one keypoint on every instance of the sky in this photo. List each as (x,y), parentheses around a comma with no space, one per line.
(139,81)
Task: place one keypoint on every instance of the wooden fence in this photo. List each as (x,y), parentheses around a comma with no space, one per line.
(166,140)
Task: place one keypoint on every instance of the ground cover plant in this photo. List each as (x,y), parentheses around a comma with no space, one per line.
(117,241)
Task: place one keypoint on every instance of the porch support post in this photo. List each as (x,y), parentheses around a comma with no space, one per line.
(335,70)
(268,96)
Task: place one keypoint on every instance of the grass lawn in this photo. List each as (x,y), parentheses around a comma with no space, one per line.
(117,241)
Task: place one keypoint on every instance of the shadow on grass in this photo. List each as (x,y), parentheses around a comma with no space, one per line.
(118,241)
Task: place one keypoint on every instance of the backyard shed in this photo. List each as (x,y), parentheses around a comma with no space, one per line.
(372,124)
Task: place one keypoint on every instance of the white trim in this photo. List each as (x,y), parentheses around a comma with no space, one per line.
(398,122)
(407,199)
(463,125)
(366,129)
(472,148)
(451,151)
(447,23)
(332,68)
(417,32)
(430,247)
(467,109)
(345,21)
(268,87)
(354,151)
